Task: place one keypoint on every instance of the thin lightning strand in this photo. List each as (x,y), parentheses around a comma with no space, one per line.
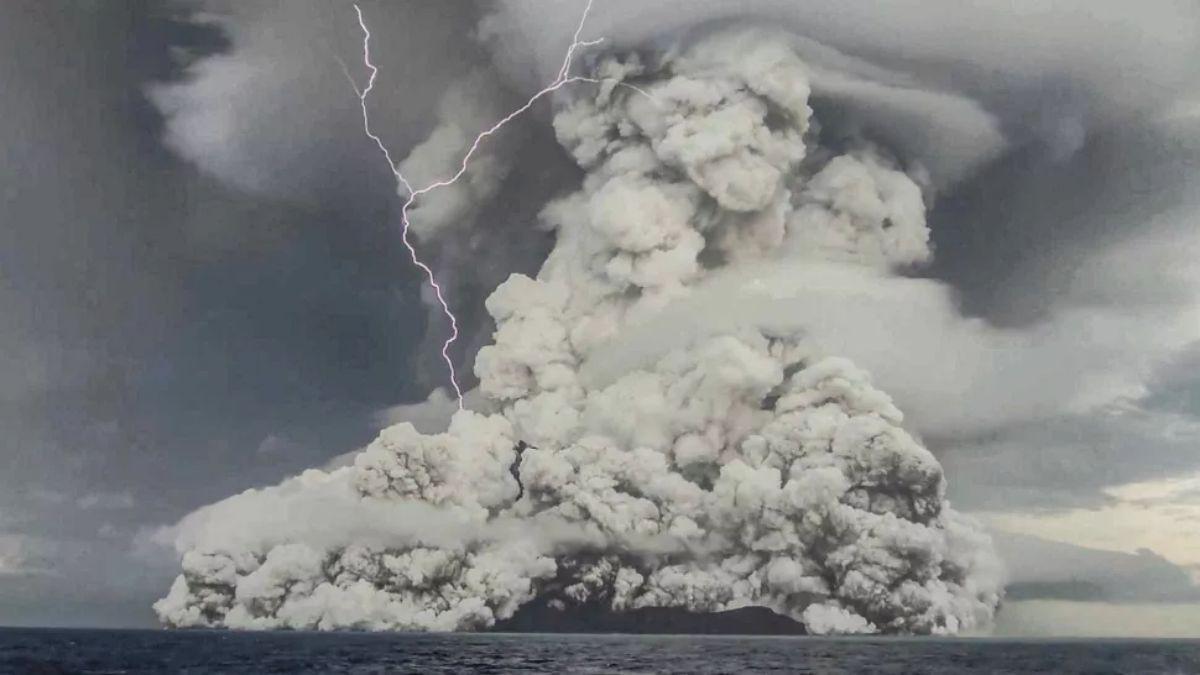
(362,99)
(564,78)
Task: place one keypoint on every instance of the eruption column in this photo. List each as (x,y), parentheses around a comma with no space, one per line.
(628,464)
(564,78)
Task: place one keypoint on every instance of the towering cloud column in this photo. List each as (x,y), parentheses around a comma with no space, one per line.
(747,466)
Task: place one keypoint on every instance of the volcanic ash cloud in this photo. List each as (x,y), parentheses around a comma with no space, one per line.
(743,468)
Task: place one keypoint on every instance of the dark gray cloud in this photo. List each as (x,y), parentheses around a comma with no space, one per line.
(1013,238)
(275,113)
(156,327)
(286,60)
(1176,387)
(1066,461)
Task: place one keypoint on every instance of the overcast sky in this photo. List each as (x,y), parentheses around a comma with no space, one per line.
(202,287)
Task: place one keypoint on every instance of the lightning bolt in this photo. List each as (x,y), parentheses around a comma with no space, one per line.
(563,79)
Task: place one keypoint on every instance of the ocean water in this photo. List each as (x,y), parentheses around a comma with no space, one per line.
(110,651)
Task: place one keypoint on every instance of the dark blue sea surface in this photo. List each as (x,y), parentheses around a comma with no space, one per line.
(115,651)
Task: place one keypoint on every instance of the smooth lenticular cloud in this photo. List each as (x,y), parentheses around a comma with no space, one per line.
(947,85)
(909,334)
(1108,57)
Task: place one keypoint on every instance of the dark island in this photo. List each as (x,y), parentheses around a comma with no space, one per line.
(542,617)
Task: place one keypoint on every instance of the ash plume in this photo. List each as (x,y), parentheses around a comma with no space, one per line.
(746,465)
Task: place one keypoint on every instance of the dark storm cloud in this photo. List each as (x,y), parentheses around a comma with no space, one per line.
(291,61)
(1021,242)
(1067,461)
(155,326)
(1176,387)
(1012,239)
